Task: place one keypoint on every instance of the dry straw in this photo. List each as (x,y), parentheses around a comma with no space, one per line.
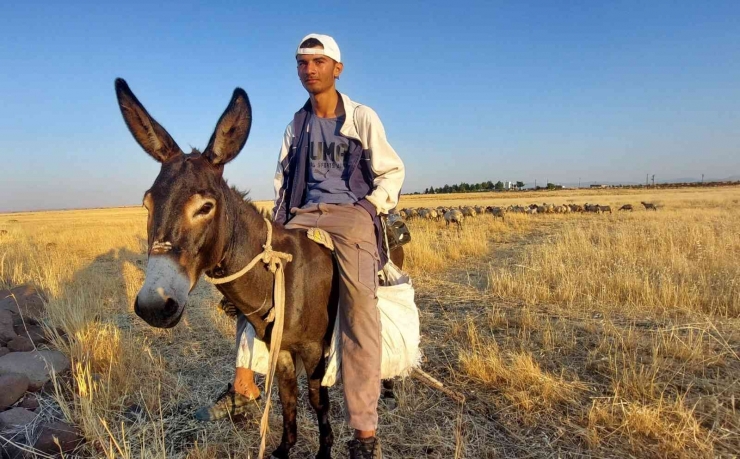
(570,335)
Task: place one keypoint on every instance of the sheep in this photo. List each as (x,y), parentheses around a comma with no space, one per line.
(592,208)
(531,210)
(454,216)
(516,209)
(428,214)
(626,207)
(605,209)
(649,205)
(468,212)
(497,212)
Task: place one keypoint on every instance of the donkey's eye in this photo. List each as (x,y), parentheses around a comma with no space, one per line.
(205,209)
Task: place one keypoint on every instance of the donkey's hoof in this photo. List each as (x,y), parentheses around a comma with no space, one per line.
(390,404)
(280,454)
(389,400)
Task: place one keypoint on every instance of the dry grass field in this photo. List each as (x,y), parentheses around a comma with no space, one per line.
(573,335)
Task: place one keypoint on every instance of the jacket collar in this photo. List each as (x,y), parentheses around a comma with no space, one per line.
(349,128)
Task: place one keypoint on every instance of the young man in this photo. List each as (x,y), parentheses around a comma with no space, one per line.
(336,171)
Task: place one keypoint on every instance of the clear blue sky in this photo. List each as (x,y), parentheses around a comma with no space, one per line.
(468,91)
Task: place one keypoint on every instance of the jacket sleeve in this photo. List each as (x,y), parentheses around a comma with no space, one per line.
(384,161)
(280,181)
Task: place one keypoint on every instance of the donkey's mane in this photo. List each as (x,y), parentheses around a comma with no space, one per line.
(245,201)
(243,194)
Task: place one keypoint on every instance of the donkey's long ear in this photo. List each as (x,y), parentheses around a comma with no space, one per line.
(152,137)
(231,131)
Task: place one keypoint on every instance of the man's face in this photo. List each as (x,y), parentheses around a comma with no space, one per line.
(317,72)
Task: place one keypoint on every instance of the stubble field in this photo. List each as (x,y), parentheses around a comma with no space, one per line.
(575,335)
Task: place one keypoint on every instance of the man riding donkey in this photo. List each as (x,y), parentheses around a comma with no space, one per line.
(336,172)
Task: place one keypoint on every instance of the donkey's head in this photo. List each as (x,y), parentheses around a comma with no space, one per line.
(186,204)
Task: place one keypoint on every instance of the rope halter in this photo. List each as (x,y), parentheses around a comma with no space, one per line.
(273,259)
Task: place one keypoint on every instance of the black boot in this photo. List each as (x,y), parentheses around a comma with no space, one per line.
(365,448)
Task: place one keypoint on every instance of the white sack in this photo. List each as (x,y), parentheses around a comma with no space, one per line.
(399,319)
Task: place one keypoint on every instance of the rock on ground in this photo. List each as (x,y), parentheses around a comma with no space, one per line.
(134,413)
(10,451)
(68,436)
(30,402)
(17,417)
(25,300)
(6,326)
(33,332)
(12,388)
(20,344)
(34,365)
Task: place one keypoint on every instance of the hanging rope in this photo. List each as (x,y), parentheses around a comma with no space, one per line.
(274,261)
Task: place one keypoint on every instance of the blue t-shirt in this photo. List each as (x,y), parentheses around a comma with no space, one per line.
(328,158)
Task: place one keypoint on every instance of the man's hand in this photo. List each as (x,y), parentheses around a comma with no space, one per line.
(228,308)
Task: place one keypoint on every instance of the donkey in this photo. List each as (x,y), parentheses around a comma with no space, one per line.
(196,224)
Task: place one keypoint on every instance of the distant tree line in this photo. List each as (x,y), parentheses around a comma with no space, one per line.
(550,186)
(499,186)
(464,187)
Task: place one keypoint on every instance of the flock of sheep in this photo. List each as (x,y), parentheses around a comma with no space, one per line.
(458,214)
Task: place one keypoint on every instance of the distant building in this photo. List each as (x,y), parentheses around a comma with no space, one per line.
(596,185)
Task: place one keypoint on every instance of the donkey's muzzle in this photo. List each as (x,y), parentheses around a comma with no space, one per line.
(161,300)
(165,315)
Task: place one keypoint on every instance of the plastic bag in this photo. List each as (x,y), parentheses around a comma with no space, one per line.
(399,320)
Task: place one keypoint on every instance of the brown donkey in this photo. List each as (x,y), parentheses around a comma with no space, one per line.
(197,224)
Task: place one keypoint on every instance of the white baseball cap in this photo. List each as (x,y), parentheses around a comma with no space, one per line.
(331,49)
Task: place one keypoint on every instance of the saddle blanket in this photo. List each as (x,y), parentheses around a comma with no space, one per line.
(399,319)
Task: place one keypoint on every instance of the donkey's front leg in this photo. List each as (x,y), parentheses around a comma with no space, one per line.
(288,390)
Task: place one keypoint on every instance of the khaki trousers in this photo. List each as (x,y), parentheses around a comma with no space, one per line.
(356,252)
(355,248)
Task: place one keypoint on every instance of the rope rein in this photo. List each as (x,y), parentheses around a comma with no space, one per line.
(268,256)
(274,261)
